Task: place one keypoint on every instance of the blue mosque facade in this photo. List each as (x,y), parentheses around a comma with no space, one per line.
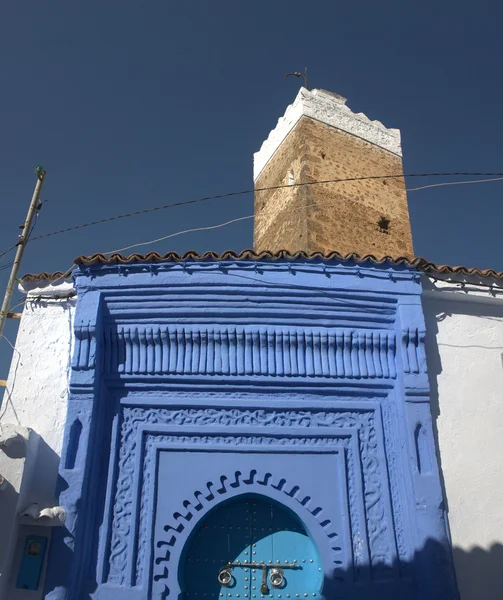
(249,426)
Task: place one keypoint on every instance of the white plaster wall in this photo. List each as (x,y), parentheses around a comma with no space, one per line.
(35,397)
(37,387)
(330,109)
(464,352)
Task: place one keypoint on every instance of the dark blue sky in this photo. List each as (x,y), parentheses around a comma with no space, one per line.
(134,104)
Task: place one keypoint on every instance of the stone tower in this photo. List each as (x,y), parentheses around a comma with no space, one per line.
(319,138)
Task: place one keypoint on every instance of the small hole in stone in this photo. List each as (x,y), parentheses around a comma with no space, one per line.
(323,155)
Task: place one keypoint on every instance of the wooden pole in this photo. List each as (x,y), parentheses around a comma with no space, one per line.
(21,245)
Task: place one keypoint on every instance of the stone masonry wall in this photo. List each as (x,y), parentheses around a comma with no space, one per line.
(338,216)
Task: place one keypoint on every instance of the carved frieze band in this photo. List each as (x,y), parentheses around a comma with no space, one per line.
(234,351)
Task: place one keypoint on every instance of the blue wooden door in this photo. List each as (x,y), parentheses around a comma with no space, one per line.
(251,548)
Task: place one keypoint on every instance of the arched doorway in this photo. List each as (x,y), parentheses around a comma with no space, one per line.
(250,548)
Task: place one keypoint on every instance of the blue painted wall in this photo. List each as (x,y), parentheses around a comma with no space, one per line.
(302,382)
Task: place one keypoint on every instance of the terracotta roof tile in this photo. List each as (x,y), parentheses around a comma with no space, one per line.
(45,276)
(418,263)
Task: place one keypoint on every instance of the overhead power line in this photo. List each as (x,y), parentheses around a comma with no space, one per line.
(8,250)
(432,185)
(68,272)
(253,190)
(4,267)
(171,235)
(28,237)
(180,233)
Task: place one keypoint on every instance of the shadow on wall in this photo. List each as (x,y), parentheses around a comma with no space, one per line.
(480,573)
(480,577)
(30,469)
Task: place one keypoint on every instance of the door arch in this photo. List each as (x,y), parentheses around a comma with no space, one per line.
(235,539)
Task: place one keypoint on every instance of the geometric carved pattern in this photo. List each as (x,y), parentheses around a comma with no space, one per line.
(202,499)
(393,458)
(266,351)
(374,530)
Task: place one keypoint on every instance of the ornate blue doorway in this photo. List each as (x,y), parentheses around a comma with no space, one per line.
(251,548)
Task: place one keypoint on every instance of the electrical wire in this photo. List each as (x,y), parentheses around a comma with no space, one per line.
(17,243)
(489,286)
(14,377)
(8,250)
(254,190)
(3,267)
(12,308)
(171,235)
(425,187)
(46,298)
(180,233)
(67,273)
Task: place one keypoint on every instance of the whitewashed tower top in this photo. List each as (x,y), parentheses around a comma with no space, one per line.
(331,109)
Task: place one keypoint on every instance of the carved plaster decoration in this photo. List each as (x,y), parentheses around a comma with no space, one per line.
(84,357)
(376,519)
(413,352)
(333,357)
(241,351)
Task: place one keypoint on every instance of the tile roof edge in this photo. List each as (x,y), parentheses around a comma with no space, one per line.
(421,264)
(231,255)
(29,277)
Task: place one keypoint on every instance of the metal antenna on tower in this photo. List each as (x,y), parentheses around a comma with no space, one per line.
(297,74)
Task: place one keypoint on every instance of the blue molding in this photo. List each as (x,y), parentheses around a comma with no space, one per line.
(283,379)
(236,351)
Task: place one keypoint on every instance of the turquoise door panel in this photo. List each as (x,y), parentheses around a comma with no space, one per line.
(261,548)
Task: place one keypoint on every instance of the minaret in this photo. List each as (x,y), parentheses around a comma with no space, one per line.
(319,138)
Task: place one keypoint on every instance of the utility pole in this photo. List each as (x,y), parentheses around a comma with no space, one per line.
(21,245)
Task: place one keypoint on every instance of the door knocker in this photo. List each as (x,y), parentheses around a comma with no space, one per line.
(225,576)
(276,577)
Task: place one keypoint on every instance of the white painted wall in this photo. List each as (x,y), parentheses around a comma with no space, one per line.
(464,352)
(37,387)
(331,109)
(35,397)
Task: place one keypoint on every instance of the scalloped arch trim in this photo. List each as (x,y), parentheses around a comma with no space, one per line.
(203,501)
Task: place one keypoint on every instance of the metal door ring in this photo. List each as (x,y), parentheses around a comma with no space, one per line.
(276,577)
(224,576)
